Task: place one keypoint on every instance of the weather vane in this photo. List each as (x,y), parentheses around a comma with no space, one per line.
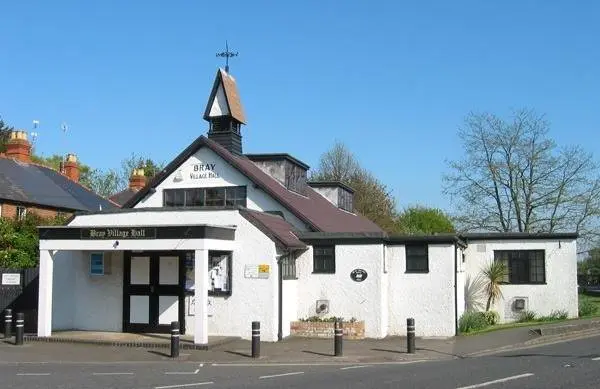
(227,54)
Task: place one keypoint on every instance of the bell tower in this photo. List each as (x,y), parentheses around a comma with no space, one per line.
(225,114)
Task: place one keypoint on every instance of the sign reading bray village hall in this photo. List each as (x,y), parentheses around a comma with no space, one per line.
(118,233)
(203,170)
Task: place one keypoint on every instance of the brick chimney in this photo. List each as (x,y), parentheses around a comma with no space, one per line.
(137,180)
(71,167)
(18,147)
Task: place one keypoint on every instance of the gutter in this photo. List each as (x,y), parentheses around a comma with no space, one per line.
(280,294)
(455,289)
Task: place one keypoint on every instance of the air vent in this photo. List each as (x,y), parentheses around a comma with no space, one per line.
(322,307)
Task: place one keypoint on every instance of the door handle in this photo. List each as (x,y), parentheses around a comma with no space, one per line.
(152,289)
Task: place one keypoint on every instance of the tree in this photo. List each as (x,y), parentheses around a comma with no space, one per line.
(19,240)
(423,220)
(493,275)
(5,130)
(151,168)
(371,197)
(513,177)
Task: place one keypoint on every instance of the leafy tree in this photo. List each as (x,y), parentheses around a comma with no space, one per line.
(371,197)
(19,240)
(423,220)
(151,168)
(513,177)
(5,130)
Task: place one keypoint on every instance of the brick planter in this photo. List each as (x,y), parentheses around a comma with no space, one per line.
(310,329)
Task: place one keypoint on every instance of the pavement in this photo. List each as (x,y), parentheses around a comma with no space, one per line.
(308,351)
(572,364)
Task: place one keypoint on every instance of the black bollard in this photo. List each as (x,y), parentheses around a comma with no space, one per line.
(7,323)
(174,339)
(410,335)
(20,328)
(338,337)
(255,339)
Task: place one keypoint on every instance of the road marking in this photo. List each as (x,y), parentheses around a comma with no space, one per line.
(279,375)
(184,385)
(514,377)
(112,373)
(353,367)
(32,374)
(596,359)
(318,364)
(183,372)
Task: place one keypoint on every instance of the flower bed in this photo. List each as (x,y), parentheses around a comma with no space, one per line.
(324,329)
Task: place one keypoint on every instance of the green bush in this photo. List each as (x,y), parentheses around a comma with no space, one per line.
(587,308)
(560,314)
(472,321)
(491,317)
(526,316)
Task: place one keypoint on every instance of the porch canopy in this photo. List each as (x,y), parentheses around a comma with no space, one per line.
(131,238)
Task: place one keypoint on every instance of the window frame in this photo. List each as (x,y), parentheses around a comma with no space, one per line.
(409,258)
(526,268)
(240,196)
(20,216)
(288,267)
(323,257)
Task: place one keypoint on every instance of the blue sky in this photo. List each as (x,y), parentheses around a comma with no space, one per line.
(393,80)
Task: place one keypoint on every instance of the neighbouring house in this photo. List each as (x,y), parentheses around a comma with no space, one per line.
(27,187)
(137,181)
(221,238)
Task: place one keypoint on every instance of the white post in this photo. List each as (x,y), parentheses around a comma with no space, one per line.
(201,297)
(45,294)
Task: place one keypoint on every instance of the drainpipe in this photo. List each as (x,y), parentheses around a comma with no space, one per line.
(455,289)
(280,294)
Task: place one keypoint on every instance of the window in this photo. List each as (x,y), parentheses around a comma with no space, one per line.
(295,178)
(324,259)
(205,197)
(288,267)
(417,258)
(345,200)
(523,266)
(219,273)
(21,213)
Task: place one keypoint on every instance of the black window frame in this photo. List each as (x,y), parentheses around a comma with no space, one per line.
(189,290)
(321,259)
(20,213)
(521,261)
(414,261)
(288,267)
(178,197)
(345,200)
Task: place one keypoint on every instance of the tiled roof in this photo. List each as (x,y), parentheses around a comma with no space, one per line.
(35,184)
(232,96)
(275,227)
(123,196)
(313,209)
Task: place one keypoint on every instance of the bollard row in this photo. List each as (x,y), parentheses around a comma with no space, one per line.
(410,335)
(338,338)
(255,339)
(174,339)
(7,323)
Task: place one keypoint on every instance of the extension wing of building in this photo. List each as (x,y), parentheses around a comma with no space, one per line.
(220,238)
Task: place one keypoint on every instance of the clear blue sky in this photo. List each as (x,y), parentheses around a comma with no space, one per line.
(391,79)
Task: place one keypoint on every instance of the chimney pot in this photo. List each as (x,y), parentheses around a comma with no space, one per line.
(71,167)
(137,180)
(18,147)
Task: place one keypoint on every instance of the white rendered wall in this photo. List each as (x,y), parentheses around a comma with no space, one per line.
(347,298)
(560,290)
(98,299)
(226,175)
(290,305)
(63,290)
(426,297)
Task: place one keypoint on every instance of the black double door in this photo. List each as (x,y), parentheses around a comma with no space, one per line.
(153,293)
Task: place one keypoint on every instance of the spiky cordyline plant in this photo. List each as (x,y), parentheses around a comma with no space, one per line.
(493,275)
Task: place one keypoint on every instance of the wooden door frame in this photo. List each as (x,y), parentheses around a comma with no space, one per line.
(174,290)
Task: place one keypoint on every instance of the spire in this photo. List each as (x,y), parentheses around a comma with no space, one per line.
(224,112)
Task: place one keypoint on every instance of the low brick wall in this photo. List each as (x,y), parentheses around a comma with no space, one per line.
(310,329)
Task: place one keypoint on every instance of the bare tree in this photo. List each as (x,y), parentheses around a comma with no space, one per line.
(371,197)
(513,177)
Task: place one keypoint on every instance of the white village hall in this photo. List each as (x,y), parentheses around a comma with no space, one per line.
(220,238)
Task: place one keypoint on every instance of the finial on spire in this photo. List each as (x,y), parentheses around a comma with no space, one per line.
(227,54)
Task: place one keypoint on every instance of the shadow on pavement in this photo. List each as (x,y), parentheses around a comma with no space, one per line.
(239,353)
(159,353)
(317,353)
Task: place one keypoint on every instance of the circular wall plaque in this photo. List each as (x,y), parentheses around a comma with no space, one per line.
(358,275)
